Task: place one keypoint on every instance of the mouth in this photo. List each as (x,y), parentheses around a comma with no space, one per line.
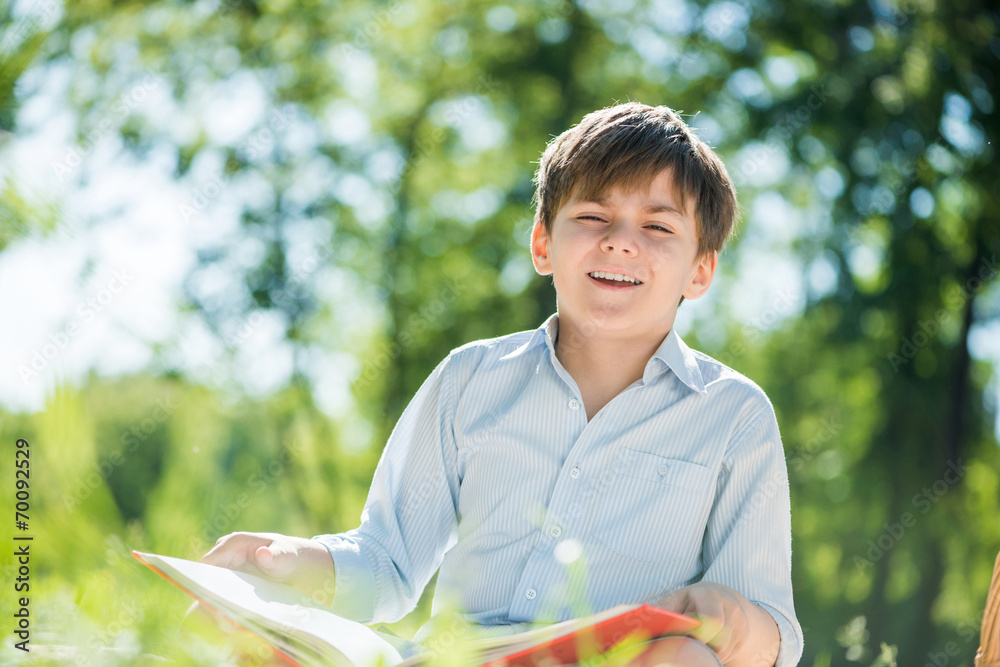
(614,280)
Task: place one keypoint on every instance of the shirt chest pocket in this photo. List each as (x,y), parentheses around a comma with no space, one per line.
(653,508)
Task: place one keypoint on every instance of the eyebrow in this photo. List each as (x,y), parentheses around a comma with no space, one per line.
(655,207)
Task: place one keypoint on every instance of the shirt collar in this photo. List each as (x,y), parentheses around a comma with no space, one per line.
(546,334)
(679,358)
(672,354)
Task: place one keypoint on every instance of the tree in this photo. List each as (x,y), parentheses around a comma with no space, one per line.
(379,157)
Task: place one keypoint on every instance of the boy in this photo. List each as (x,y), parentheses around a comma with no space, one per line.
(599,439)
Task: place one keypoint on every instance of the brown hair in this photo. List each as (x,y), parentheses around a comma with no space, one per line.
(628,145)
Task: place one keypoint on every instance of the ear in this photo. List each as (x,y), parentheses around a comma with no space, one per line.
(540,250)
(701,275)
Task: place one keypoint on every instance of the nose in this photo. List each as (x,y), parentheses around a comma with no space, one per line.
(619,238)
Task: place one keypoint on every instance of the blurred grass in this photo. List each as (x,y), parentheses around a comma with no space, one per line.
(113,471)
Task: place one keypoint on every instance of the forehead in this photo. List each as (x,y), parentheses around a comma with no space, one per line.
(657,194)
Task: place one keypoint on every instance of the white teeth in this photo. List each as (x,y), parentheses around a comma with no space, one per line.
(614,276)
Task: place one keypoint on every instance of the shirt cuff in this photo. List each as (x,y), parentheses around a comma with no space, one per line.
(354,592)
(790,650)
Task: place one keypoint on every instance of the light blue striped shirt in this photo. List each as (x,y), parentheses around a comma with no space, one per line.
(534,514)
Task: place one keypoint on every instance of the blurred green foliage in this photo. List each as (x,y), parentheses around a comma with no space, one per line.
(399,140)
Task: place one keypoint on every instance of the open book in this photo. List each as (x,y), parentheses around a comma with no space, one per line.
(308,634)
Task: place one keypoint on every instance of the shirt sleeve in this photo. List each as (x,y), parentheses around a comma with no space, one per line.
(409,520)
(748,537)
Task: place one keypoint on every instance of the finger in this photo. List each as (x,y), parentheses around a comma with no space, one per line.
(717,635)
(235,550)
(221,552)
(277,560)
(667,652)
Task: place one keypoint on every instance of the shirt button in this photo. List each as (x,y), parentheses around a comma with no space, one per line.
(574,473)
(530,593)
(555,531)
(574,404)
(662,470)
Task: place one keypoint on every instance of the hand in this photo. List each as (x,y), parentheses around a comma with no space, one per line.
(664,652)
(740,632)
(304,564)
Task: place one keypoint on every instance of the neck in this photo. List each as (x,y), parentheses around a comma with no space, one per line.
(617,358)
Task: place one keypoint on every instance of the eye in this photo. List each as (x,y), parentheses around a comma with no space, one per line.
(589,217)
(661,228)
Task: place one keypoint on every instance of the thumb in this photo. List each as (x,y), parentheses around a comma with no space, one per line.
(680,602)
(711,631)
(676,602)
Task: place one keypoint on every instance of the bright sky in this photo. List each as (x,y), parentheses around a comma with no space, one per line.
(103,290)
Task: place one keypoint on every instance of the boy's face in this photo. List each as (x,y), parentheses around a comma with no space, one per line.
(645,236)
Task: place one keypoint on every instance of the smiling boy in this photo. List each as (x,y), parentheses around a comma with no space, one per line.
(597,440)
(621,264)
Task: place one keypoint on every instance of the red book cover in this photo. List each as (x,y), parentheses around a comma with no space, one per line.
(634,626)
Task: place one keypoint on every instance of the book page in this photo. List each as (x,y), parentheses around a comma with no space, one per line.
(282,614)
